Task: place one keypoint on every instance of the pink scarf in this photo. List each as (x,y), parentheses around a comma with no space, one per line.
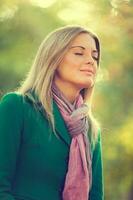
(79,174)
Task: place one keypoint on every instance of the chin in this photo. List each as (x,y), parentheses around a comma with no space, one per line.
(89,83)
(86,84)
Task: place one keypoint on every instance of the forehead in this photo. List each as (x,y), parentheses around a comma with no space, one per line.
(84,39)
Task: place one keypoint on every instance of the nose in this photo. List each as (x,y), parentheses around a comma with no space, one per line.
(89,60)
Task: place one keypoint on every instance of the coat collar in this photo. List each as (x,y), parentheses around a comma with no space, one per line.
(60,125)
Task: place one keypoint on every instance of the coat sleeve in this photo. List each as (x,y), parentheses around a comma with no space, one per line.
(10,137)
(97,190)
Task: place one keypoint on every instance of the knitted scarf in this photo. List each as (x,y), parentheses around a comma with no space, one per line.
(79,175)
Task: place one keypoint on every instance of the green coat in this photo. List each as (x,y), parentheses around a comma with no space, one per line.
(33,161)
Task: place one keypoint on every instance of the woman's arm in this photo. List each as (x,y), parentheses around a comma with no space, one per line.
(10,137)
(97,190)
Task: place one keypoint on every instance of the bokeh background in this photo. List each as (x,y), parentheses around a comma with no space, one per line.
(23,26)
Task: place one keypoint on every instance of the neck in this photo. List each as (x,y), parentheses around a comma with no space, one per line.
(69,92)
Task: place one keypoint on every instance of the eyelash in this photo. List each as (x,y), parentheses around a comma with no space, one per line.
(80,54)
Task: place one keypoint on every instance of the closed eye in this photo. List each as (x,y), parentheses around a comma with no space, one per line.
(80,54)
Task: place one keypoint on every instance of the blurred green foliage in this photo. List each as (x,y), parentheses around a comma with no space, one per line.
(24,24)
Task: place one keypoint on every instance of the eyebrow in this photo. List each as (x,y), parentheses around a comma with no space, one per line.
(95,51)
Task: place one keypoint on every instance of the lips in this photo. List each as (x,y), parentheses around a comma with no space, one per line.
(87,70)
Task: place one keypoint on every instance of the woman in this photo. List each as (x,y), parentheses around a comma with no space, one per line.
(50,144)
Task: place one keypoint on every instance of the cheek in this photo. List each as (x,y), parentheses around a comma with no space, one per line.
(63,71)
(71,60)
(67,66)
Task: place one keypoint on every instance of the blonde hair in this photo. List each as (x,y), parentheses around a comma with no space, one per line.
(50,54)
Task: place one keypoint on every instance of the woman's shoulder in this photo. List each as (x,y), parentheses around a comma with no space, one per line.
(11,98)
(11,101)
(11,109)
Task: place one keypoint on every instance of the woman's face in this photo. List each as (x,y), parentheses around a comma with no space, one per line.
(79,66)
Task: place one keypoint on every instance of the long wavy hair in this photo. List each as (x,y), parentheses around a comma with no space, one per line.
(41,75)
